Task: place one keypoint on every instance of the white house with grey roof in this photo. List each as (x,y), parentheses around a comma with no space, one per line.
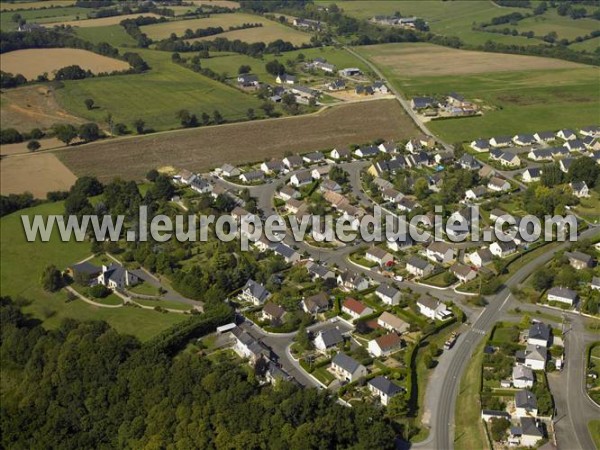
(539,334)
(563,295)
(347,368)
(522,377)
(327,339)
(418,267)
(392,323)
(388,294)
(115,276)
(534,356)
(526,404)
(384,389)
(254,292)
(433,308)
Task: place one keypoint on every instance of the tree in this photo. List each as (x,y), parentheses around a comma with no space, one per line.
(51,279)
(398,406)
(275,68)
(268,108)
(217,117)
(89,103)
(152,175)
(73,72)
(421,188)
(163,189)
(89,132)
(205,118)
(302,338)
(99,291)
(65,132)
(16,18)
(498,428)
(584,169)
(250,114)
(32,146)
(139,125)
(552,176)
(187,120)
(542,279)
(244,68)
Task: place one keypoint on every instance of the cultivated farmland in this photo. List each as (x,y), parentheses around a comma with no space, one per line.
(271,30)
(221,3)
(201,149)
(42,16)
(35,5)
(536,94)
(37,173)
(33,62)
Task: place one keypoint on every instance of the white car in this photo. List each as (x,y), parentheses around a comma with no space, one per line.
(398,278)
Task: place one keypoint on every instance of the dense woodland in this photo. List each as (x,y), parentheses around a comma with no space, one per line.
(83,385)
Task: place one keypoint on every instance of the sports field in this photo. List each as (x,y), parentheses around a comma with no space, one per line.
(204,148)
(270,31)
(155,96)
(20,279)
(536,94)
(33,62)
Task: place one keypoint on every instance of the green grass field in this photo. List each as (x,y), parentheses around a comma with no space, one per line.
(591,45)
(23,263)
(115,35)
(155,96)
(521,101)
(448,18)
(564,26)
(42,16)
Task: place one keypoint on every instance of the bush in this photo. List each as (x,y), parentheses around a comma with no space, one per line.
(99,291)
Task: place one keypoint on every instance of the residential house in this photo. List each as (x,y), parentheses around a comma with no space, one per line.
(574,145)
(563,295)
(288,253)
(531,175)
(503,249)
(252,176)
(340,153)
(307,24)
(388,294)
(476,193)
(418,267)
(247,347)
(84,272)
(293,162)
(320,172)
(313,158)
(565,164)
(301,178)
(115,276)
(539,334)
(270,167)
(440,252)
(366,152)
(481,257)
(254,292)
(239,213)
(349,72)
(285,79)
(388,147)
(544,136)
(327,339)
(534,357)
(591,143)
(540,155)
(498,185)
(566,134)
(329,185)
(379,256)
(501,141)
(316,304)
(525,404)
(384,389)
(528,434)
(362,89)
(355,309)
(579,260)
(337,85)
(522,377)
(247,80)
(384,345)
(392,323)
(200,185)
(347,368)
(262,244)
(422,102)
(400,242)
(273,312)
(433,308)
(318,271)
(380,87)
(558,152)
(595,284)
(509,159)
(580,189)
(407,204)
(462,272)
(486,172)
(524,139)
(293,205)
(287,192)
(591,131)
(480,145)
(228,170)
(467,161)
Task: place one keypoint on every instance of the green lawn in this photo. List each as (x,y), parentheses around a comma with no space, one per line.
(115,35)
(155,96)
(589,208)
(42,16)
(518,101)
(469,428)
(22,265)
(144,289)
(323,375)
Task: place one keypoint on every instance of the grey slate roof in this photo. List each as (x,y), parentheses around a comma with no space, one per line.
(346,362)
(331,337)
(87,268)
(525,399)
(539,331)
(563,292)
(386,386)
(256,290)
(387,290)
